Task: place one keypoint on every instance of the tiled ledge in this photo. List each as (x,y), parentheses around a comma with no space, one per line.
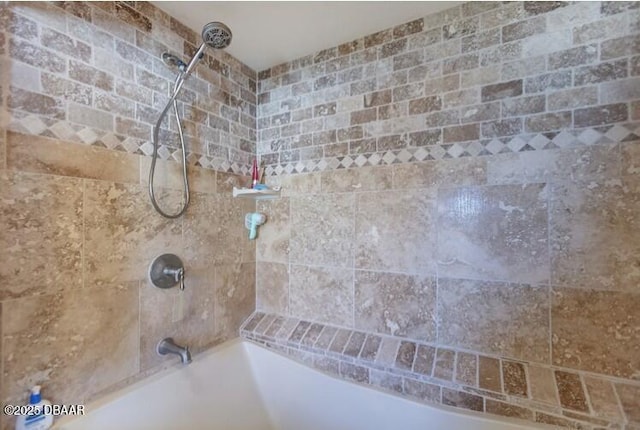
(438,375)
(571,138)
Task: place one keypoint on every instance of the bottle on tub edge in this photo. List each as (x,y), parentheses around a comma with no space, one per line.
(37,420)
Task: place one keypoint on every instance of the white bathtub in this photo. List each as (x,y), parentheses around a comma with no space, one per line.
(240,386)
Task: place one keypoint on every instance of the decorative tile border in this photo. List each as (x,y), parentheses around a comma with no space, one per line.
(441,375)
(71,132)
(521,143)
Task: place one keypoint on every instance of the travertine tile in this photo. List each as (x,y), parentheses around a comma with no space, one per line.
(225,240)
(629,396)
(395,230)
(496,318)
(594,234)
(467,369)
(361,179)
(272,287)
(396,304)
(602,398)
(507,410)
(41,155)
(296,184)
(273,235)
(321,294)
(542,384)
(571,391)
(489,374)
(514,378)
(59,340)
(42,233)
(594,331)
(422,390)
(385,380)
(406,354)
(567,164)
(463,400)
(388,351)
(322,229)
(168,174)
(494,232)
(425,357)
(123,234)
(455,172)
(443,367)
(235,293)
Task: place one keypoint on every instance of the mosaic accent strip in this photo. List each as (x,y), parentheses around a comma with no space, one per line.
(522,143)
(439,375)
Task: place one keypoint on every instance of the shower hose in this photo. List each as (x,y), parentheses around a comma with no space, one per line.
(156,131)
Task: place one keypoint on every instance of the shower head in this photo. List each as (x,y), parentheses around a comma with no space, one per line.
(216,35)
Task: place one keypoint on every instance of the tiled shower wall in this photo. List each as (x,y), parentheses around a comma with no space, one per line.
(464,189)
(81,87)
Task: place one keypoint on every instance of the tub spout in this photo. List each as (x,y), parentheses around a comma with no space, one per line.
(168,346)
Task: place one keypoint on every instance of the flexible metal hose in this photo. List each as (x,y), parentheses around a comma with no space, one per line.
(156,131)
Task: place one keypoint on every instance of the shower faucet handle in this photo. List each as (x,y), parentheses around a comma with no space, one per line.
(177,273)
(166,271)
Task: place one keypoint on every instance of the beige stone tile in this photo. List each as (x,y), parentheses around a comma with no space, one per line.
(574,164)
(489,375)
(73,343)
(41,218)
(630,158)
(495,232)
(542,385)
(396,230)
(322,230)
(595,235)
(448,173)
(602,398)
(214,231)
(273,236)
(42,155)
(168,174)
(467,369)
(571,391)
(356,179)
(508,410)
(396,304)
(308,183)
(235,297)
(495,318)
(596,331)
(123,233)
(226,181)
(514,378)
(629,396)
(272,285)
(321,294)
(187,316)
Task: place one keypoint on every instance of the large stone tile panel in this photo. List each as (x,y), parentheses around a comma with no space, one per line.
(509,320)
(596,331)
(494,232)
(396,231)
(41,218)
(321,294)
(396,304)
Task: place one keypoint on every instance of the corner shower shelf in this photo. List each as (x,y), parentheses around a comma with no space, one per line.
(250,193)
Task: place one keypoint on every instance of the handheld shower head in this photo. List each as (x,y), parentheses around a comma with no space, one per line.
(216,35)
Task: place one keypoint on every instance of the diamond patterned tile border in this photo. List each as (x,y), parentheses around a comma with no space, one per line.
(65,130)
(532,142)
